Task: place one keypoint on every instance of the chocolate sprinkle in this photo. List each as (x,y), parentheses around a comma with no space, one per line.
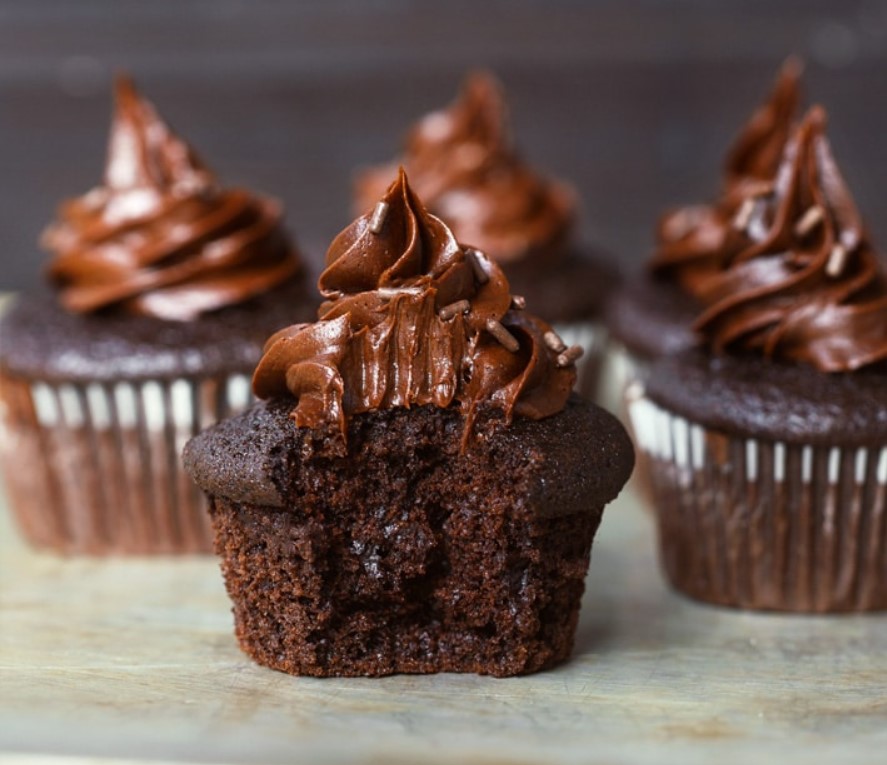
(480,274)
(378,219)
(554,342)
(809,220)
(449,311)
(837,260)
(505,337)
(569,356)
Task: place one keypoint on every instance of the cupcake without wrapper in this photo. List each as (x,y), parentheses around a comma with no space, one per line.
(166,286)
(768,446)
(419,490)
(464,166)
(652,314)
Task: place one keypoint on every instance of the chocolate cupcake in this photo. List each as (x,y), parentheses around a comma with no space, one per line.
(768,446)
(419,490)
(166,285)
(652,315)
(464,166)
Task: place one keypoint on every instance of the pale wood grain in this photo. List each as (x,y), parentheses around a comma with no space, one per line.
(136,659)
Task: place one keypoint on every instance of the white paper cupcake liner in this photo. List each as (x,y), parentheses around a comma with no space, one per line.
(95,468)
(592,337)
(763,524)
(623,368)
(625,375)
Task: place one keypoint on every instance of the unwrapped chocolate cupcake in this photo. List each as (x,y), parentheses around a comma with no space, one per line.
(768,446)
(652,314)
(466,169)
(420,489)
(166,286)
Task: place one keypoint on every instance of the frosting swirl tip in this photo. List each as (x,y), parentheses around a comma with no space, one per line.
(802,282)
(756,152)
(465,167)
(160,237)
(412,317)
(690,240)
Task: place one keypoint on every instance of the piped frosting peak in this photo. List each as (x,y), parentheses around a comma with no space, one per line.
(411,318)
(800,279)
(465,168)
(690,239)
(160,237)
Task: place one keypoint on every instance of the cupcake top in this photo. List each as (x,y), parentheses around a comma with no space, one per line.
(690,239)
(463,165)
(160,237)
(801,280)
(795,335)
(412,317)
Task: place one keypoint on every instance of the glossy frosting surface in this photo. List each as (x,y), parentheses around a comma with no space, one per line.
(690,239)
(801,282)
(411,317)
(464,167)
(160,237)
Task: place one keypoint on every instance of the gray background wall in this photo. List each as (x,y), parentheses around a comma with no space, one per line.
(634,101)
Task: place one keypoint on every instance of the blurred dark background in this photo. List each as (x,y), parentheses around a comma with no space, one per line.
(633,101)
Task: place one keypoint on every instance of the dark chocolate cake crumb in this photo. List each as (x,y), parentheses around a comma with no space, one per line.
(409,555)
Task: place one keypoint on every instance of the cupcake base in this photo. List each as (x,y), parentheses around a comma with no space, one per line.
(95,469)
(647,318)
(764,524)
(95,410)
(409,555)
(652,317)
(625,374)
(506,604)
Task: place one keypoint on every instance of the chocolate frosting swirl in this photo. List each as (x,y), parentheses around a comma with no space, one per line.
(463,166)
(411,318)
(801,280)
(160,238)
(690,239)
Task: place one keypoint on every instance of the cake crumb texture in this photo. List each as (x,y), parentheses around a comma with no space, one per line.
(410,556)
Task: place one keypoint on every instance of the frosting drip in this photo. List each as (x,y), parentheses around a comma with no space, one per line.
(462,165)
(801,280)
(690,239)
(411,318)
(159,237)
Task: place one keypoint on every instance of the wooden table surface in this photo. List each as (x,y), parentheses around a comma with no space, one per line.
(137,659)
